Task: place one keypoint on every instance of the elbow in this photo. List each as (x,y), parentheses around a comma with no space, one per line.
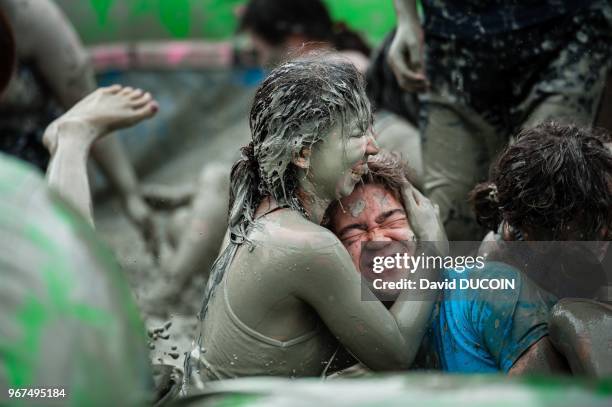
(396,361)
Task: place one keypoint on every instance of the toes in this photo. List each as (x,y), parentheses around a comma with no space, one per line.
(127,91)
(147,110)
(136,94)
(141,101)
(114,89)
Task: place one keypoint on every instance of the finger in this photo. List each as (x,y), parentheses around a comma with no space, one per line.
(413,82)
(416,57)
(409,199)
(399,68)
(419,197)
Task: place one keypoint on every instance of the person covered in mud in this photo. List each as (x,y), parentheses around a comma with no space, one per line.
(52,73)
(68,322)
(284,292)
(476,332)
(488,69)
(276,31)
(552,186)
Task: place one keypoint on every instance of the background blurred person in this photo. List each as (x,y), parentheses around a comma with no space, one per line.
(52,73)
(68,322)
(491,68)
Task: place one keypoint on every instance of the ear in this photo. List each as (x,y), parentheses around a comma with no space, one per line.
(302,160)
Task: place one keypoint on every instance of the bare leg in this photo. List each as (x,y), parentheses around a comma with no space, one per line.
(47,39)
(69,138)
(581,329)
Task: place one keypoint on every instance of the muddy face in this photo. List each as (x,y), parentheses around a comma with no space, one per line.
(372,214)
(339,161)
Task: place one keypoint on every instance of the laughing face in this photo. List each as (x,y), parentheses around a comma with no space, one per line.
(338,163)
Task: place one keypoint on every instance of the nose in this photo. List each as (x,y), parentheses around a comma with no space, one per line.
(371,146)
(378,235)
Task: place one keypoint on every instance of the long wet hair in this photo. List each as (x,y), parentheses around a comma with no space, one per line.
(552,175)
(275,20)
(295,107)
(7,45)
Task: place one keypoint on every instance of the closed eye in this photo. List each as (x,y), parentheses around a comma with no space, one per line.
(398,223)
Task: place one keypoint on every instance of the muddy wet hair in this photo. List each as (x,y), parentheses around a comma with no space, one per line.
(294,108)
(276,20)
(7,45)
(552,175)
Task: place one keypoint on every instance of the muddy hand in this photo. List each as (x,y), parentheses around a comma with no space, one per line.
(105,110)
(406,58)
(425,218)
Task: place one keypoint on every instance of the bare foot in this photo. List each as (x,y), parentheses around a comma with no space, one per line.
(104,110)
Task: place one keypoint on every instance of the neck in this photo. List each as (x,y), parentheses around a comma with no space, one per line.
(314,204)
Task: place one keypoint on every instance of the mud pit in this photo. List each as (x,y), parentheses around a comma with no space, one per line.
(202,119)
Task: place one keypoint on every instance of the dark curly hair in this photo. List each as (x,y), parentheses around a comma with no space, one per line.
(554,174)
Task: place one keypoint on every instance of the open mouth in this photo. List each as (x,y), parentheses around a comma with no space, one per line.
(359,171)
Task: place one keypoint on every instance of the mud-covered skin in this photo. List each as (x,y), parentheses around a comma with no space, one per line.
(540,359)
(371,213)
(484,89)
(282,273)
(70,138)
(53,70)
(581,329)
(67,317)
(303,278)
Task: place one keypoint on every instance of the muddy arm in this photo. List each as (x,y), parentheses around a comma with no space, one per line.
(382,339)
(406,50)
(581,330)
(540,358)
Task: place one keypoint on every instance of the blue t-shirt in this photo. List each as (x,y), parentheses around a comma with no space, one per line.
(471,18)
(484,330)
